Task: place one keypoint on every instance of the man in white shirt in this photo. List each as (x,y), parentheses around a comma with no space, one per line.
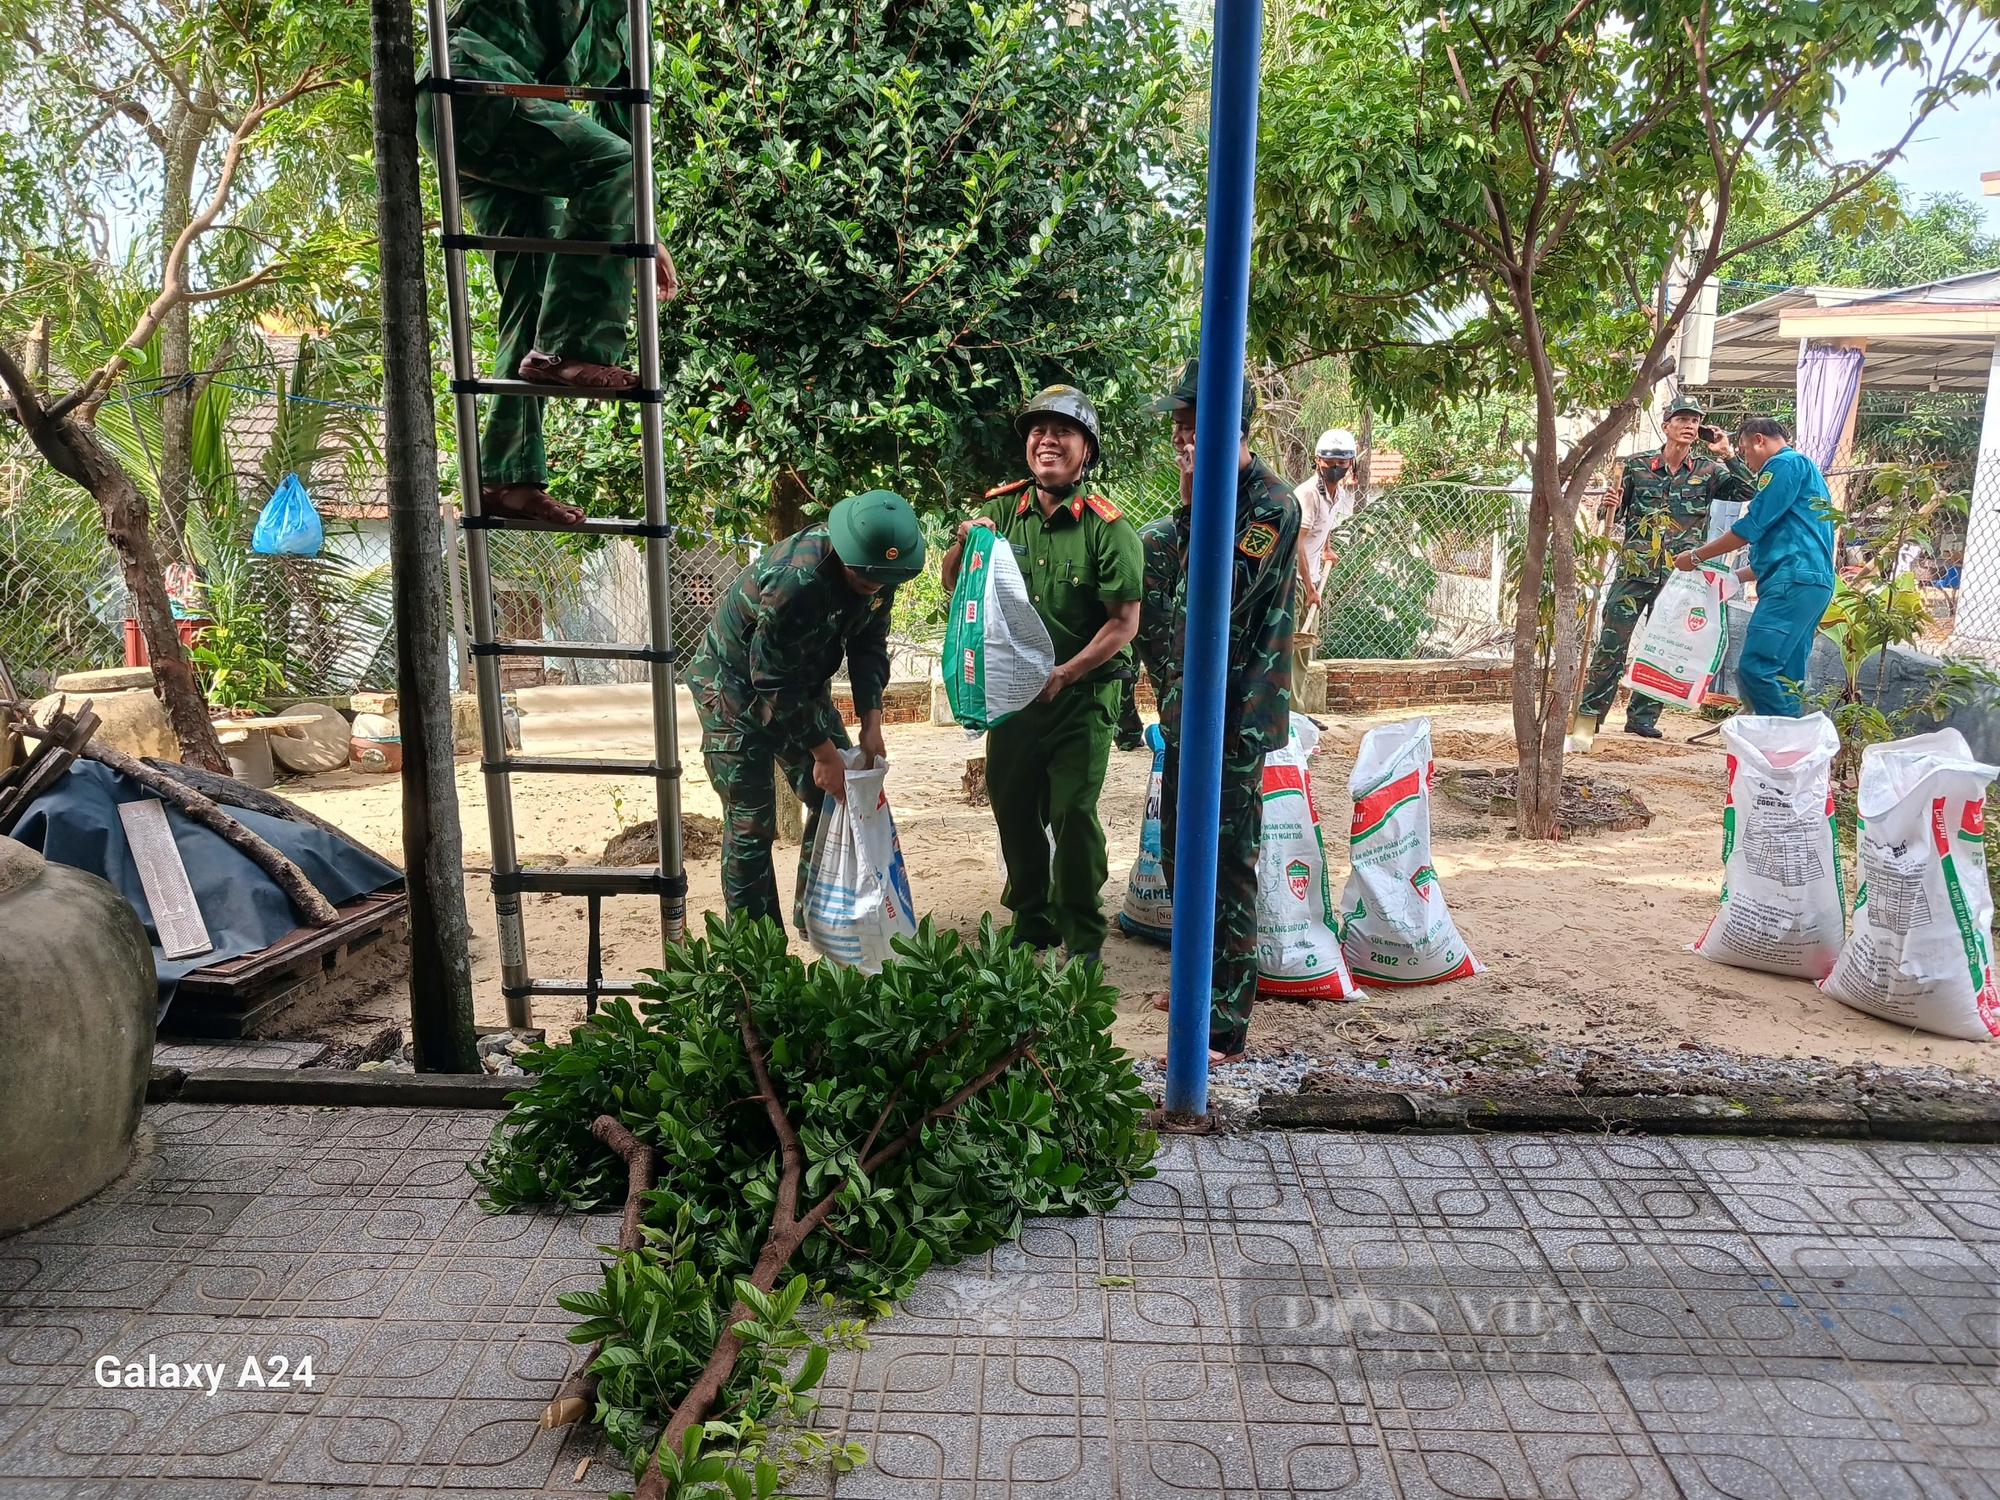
(1325,500)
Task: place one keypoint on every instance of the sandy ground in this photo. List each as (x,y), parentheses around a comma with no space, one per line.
(1584,940)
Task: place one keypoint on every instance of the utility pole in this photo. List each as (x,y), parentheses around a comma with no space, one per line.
(433,848)
(1225,308)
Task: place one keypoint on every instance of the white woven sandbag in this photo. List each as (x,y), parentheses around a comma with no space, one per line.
(1149,906)
(1395,927)
(1782,909)
(858,895)
(1298,931)
(1921,950)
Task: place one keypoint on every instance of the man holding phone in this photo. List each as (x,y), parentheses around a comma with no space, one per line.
(1664,503)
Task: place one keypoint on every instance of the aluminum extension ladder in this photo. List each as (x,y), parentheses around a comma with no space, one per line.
(512,879)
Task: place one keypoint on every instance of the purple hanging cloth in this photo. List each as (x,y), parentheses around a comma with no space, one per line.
(1829,377)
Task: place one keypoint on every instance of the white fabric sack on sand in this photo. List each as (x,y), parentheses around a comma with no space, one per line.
(1149,906)
(1921,952)
(1395,926)
(1782,909)
(1298,930)
(858,895)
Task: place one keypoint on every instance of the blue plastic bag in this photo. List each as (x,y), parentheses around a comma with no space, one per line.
(288,526)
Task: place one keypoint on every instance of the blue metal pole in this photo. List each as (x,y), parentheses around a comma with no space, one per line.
(1225,306)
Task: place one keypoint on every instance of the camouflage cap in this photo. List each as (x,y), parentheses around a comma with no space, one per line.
(1682,404)
(877,535)
(1182,396)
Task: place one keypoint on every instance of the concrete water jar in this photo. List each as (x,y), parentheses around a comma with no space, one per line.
(77,1005)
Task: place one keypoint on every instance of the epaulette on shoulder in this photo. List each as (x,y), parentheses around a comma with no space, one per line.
(1106,511)
(1013,488)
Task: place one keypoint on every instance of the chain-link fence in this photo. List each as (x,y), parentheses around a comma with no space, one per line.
(1961,581)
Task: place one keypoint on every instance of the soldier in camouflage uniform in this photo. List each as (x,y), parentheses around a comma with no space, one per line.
(761,680)
(1665,505)
(563,318)
(1153,645)
(1256,697)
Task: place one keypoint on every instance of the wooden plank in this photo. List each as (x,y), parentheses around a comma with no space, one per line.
(300,948)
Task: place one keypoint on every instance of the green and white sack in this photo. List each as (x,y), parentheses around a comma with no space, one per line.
(1920,952)
(997,651)
(1680,647)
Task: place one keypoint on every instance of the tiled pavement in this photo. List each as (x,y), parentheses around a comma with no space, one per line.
(1309,1315)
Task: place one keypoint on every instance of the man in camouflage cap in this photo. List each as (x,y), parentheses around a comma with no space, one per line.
(563,318)
(1257,709)
(1664,503)
(1045,765)
(761,681)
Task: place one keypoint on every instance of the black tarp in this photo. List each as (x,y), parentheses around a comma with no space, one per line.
(76,823)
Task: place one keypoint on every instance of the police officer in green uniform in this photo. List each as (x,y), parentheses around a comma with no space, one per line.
(1257,708)
(1045,765)
(1665,504)
(563,318)
(761,680)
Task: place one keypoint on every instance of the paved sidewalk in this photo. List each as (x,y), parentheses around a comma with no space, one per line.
(1309,1315)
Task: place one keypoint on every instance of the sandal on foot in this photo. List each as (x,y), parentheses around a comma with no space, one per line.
(527,502)
(580,374)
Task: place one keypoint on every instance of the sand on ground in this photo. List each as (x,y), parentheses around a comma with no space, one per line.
(1582,940)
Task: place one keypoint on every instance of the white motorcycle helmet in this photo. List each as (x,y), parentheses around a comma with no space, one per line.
(1336,442)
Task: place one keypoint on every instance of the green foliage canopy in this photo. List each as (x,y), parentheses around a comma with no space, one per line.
(894,222)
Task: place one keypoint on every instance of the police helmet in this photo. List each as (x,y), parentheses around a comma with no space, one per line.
(1064,401)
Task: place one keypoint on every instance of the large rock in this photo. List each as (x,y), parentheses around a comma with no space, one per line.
(134,720)
(324,745)
(77,1004)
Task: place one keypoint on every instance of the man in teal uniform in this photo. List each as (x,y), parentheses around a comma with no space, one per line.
(1257,710)
(1045,765)
(563,318)
(1664,503)
(1789,531)
(760,681)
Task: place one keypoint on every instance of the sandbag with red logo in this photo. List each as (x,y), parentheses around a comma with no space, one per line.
(1298,930)
(1395,927)
(1782,910)
(1921,950)
(1679,649)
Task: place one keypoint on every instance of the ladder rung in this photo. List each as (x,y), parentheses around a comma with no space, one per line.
(504,243)
(536,391)
(606,986)
(572,650)
(589,880)
(588,526)
(533,765)
(492,87)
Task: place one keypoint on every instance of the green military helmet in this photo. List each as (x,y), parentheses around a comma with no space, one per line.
(1062,401)
(1182,396)
(877,535)
(1682,404)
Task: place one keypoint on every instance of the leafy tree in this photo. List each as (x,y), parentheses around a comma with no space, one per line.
(894,222)
(228,130)
(1895,241)
(1481,197)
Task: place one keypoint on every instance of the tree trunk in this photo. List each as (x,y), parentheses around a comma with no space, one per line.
(187,128)
(79,455)
(1543,691)
(433,846)
(789,498)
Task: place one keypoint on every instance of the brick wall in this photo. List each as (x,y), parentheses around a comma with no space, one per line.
(904,701)
(1356,686)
